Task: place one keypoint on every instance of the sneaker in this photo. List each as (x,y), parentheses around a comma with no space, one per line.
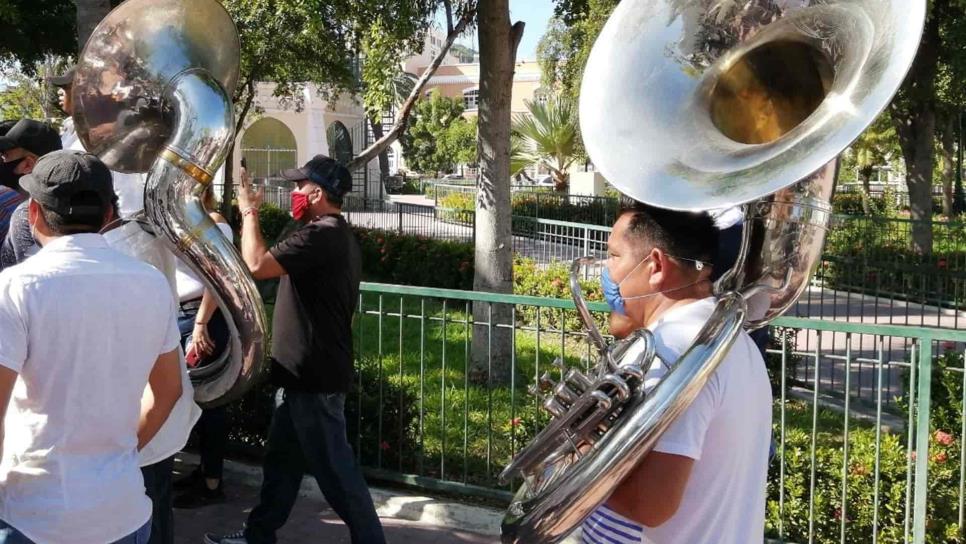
(189,480)
(197,496)
(234,538)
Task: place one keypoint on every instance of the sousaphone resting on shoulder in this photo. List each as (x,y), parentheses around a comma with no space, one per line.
(151,94)
(701,105)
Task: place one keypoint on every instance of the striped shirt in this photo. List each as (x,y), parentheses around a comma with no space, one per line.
(605,526)
(9,200)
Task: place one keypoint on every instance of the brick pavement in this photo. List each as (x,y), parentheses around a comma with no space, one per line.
(311,521)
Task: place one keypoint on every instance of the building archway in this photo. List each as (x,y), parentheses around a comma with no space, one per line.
(340,142)
(268,147)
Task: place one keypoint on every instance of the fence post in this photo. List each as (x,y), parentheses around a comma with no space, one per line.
(586,241)
(399,210)
(923,406)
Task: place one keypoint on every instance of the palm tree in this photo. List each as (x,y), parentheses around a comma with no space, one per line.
(548,136)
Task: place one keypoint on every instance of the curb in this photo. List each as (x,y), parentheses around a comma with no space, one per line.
(389,504)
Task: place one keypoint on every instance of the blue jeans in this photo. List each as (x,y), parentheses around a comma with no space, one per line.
(157,486)
(308,434)
(9,535)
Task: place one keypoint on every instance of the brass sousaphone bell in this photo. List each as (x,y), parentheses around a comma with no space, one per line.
(703,105)
(151,94)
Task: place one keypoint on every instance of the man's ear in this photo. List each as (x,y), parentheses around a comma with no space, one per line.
(657,264)
(33,212)
(27,165)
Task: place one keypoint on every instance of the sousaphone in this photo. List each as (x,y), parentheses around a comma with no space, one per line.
(151,94)
(702,105)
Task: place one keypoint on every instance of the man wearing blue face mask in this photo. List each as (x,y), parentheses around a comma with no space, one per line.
(704,481)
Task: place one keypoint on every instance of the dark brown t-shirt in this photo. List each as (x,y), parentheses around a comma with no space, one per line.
(312,324)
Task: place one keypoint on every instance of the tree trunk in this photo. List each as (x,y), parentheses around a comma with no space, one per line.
(914,117)
(492,348)
(377,133)
(948,145)
(89,13)
(865,174)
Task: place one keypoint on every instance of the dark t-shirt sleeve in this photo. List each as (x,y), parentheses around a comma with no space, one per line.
(307,248)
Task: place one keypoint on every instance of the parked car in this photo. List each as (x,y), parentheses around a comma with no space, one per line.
(544,181)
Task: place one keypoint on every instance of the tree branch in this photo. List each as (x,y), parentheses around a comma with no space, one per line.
(449,16)
(403,118)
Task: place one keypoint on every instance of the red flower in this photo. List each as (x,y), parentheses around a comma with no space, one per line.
(940,457)
(912,455)
(943,438)
(379,240)
(515,422)
(384,446)
(949,344)
(382,250)
(941,264)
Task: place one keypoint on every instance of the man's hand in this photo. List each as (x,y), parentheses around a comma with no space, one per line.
(248,195)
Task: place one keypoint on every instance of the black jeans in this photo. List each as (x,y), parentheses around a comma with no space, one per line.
(308,434)
(212,430)
(157,486)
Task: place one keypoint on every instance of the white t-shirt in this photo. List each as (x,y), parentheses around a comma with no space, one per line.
(726,431)
(189,286)
(82,325)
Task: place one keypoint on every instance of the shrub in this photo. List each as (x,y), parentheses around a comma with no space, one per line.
(458,207)
(415,260)
(860,480)
(382,416)
(552,281)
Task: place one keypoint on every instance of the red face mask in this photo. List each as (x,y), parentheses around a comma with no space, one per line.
(300,204)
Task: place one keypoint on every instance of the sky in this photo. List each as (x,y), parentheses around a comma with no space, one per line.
(536,14)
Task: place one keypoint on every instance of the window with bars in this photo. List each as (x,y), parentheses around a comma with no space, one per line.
(471,99)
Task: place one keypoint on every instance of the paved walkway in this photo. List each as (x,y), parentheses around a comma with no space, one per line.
(407,519)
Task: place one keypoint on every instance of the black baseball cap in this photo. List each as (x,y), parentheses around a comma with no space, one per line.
(64,80)
(325,172)
(5,126)
(36,137)
(61,175)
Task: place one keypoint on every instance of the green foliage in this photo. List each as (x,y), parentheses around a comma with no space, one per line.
(552,281)
(872,255)
(548,135)
(458,141)
(26,92)
(33,29)
(390,257)
(382,405)
(582,21)
(431,121)
(457,207)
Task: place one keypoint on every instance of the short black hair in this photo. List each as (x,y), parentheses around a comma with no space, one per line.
(334,199)
(79,223)
(685,235)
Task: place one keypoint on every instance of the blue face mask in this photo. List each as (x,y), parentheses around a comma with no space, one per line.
(612,289)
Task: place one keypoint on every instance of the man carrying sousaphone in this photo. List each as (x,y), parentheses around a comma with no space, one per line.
(705,479)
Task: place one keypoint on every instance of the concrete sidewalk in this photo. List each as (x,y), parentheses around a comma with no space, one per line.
(407,518)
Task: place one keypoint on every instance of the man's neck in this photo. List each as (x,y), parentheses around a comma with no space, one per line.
(664,303)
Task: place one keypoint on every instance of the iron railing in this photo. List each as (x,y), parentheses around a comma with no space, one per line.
(431,411)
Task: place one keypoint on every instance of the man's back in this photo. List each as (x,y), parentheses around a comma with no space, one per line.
(83,326)
(725,431)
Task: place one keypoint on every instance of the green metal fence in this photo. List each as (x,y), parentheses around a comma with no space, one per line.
(430,412)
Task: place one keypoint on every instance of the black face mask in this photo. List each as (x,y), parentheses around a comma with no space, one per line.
(7,177)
